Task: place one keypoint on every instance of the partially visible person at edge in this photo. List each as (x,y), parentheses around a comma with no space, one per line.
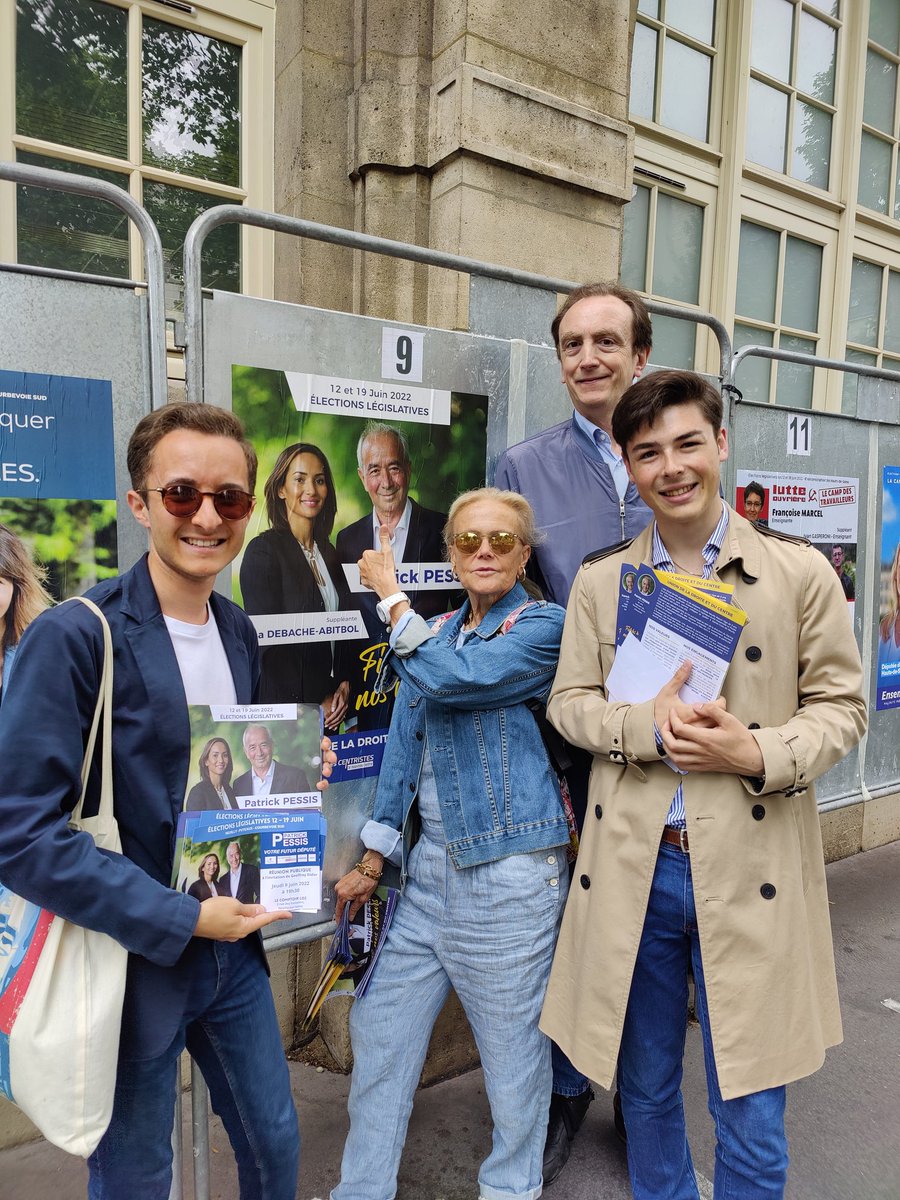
(719,871)
(483,887)
(889,629)
(573,476)
(292,567)
(197,974)
(22,597)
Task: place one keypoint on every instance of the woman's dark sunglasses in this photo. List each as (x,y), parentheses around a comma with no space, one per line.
(183,500)
(501,541)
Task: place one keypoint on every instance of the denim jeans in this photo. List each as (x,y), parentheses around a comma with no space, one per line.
(231,1029)
(488,932)
(751,1148)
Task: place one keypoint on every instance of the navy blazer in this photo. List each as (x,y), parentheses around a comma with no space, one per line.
(424,543)
(43,731)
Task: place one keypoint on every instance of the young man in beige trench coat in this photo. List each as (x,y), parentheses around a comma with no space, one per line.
(720,869)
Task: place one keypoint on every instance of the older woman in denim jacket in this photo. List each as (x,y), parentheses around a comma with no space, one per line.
(485,883)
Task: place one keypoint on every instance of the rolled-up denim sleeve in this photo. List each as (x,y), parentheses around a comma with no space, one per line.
(485,672)
(383,838)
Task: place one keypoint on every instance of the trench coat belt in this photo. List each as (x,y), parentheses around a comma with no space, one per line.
(676,837)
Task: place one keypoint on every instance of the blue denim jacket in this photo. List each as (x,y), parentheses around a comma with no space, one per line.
(497,790)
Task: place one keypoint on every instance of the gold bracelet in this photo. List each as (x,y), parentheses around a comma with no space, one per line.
(365,869)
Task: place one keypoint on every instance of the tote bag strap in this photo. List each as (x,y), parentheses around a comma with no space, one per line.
(104,707)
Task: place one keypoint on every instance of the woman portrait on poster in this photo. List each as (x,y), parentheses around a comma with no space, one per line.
(214,791)
(293,568)
(483,887)
(22,596)
(889,644)
(207,875)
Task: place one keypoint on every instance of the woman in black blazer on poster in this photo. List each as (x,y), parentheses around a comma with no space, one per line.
(205,884)
(214,791)
(293,568)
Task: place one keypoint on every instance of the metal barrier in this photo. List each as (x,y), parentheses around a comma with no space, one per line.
(866,442)
(154,263)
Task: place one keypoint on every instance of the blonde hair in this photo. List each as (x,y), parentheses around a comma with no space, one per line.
(29,598)
(890,617)
(524,514)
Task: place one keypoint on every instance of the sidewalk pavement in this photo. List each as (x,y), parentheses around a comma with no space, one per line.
(842,1122)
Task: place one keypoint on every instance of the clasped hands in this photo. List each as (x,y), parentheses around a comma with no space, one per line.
(704,737)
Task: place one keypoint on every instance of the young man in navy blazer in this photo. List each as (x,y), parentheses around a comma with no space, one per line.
(196,976)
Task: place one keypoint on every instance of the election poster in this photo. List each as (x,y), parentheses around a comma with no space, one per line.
(339,458)
(824,509)
(887,694)
(57,475)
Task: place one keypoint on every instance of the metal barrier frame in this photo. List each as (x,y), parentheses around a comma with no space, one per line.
(154,262)
(225,214)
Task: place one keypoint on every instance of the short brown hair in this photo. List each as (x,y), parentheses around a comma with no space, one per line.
(642,403)
(199,418)
(641,328)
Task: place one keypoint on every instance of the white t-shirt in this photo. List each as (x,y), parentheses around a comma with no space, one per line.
(202,661)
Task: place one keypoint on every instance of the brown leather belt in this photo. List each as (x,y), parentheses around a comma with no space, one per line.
(676,837)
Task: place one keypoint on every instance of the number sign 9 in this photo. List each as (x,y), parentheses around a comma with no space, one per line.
(402,352)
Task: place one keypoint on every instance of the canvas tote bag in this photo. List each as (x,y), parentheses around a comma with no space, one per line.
(62,986)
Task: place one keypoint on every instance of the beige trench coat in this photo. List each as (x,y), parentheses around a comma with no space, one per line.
(756,858)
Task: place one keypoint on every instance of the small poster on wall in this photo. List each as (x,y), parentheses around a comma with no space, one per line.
(824,509)
(57,475)
(887,694)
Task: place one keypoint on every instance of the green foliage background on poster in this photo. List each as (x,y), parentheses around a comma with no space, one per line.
(74,539)
(441,455)
(296,743)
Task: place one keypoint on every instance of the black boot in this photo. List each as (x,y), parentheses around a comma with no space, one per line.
(566,1115)
(618,1119)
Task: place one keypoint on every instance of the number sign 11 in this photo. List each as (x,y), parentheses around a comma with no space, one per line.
(402,352)
(799,435)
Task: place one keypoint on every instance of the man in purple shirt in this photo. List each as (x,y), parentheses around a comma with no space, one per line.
(573,476)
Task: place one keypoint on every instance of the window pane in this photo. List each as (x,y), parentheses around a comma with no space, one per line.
(643,72)
(874,173)
(676,254)
(815,58)
(851,381)
(800,289)
(173,209)
(812,144)
(693,17)
(71,74)
(881,87)
(770,49)
(884,24)
(192,120)
(794,383)
(753,374)
(892,315)
(831,8)
(685,90)
(865,303)
(673,343)
(650,7)
(766,125)
(71,233)
(757,272)
(634,239)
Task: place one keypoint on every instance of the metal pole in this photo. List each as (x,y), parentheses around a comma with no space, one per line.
(810,360)
(200,1131)
(154,263)
(235,214)
(176,1191)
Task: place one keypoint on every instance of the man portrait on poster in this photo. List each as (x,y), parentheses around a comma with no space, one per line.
(417,533)
(267,776)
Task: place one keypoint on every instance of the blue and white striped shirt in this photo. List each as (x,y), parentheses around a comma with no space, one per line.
(663,562)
